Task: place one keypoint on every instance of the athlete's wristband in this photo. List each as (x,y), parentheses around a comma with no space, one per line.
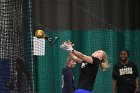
(72,51)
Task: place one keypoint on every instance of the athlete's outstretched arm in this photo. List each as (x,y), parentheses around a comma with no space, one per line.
(80,55)
(67,45)
(73,57)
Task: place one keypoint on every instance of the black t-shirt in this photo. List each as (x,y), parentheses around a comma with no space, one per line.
(67,80)
(88,74)
(125,76)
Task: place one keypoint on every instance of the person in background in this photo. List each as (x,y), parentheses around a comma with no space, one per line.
(68,77)
(125,75)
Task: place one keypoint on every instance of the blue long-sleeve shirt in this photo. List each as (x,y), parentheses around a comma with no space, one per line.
(67,80)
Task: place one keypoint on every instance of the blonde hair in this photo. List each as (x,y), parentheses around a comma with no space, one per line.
(68,60)
(104,62)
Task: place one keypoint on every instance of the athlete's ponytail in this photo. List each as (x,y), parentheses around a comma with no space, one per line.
(104,62)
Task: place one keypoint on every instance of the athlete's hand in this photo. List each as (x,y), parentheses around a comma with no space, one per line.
(67,45)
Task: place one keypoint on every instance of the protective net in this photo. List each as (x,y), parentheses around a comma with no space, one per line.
(16,61)
(90,24)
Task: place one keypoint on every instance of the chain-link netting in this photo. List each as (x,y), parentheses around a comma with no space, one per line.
(15,47)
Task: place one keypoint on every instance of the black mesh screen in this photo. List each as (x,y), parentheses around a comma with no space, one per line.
(86,14)
(15,46)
